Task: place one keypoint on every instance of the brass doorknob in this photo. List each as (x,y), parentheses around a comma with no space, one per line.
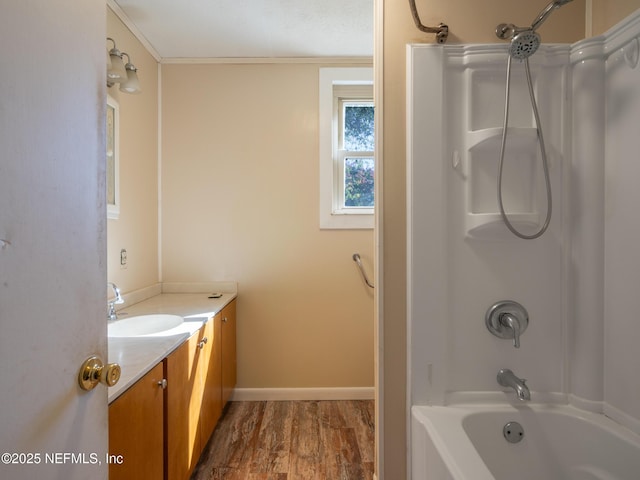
(93,371)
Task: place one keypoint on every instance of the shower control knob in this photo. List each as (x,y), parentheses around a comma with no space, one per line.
(507,319)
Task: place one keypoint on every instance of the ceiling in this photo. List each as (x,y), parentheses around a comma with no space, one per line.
(252,28)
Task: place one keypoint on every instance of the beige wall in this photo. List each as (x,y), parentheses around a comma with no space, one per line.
(468,23)
(240,202)
(137,228)
(606,13)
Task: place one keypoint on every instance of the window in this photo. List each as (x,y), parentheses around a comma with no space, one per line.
(355,156)
(346,148)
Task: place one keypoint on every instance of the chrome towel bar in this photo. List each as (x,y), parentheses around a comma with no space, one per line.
(356,258)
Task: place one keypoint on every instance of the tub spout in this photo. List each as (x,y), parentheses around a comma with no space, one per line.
(507,378)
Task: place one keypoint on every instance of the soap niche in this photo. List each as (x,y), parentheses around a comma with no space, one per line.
(522,182)
(486,94)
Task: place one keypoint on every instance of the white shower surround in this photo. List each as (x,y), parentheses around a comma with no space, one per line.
(581,280)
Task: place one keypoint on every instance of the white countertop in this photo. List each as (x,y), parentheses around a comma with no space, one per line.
(137,355)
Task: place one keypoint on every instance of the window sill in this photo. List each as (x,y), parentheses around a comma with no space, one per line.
(332,221)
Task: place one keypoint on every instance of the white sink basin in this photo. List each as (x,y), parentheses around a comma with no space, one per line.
(142,325)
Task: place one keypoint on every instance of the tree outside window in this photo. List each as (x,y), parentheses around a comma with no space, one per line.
(358,145)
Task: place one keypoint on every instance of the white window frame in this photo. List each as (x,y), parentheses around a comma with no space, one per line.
(331,168)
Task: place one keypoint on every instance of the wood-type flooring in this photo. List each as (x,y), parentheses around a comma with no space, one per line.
(291,440)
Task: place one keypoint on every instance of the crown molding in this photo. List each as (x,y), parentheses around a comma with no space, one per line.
(368,61)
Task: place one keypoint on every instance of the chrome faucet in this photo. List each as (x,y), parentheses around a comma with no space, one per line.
(111,304)
(512,323)
(507,319)
(507,378)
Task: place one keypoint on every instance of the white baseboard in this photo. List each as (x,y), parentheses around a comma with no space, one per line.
(339,393)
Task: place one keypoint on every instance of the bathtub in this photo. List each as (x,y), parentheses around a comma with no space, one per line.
(560,442)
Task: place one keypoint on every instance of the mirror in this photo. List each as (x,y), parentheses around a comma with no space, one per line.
(112,159)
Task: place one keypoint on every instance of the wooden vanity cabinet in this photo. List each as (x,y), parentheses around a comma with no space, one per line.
(228,348)
(161,433)
(193,398)
(212,381)
(136,430)
(183,368)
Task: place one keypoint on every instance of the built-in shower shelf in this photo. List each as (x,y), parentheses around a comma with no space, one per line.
(483,219)
(491,225)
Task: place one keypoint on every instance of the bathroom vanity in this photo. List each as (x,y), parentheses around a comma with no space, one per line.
(173,388)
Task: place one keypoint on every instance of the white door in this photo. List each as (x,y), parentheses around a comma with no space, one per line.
(53,247)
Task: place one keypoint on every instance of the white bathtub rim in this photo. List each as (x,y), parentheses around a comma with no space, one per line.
(594,406)
(457,412)
(621,418)
(464,446)
(543,398)
(608,410)
(443,425)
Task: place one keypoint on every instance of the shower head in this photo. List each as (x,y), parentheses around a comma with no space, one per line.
(524,40)
(524,44)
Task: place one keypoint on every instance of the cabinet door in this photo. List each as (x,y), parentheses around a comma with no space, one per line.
(212,400)
(136,430)
(183,370)
(229,369)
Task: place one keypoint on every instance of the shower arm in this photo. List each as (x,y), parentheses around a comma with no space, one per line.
(441,31)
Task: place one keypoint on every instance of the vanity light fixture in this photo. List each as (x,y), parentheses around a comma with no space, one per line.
(131,84)
(118,72)
(115,70)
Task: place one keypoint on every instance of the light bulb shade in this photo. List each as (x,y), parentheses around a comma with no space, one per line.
(117,72)
(132,83)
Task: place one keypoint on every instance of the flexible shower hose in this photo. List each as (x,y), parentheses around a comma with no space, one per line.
(545,163)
